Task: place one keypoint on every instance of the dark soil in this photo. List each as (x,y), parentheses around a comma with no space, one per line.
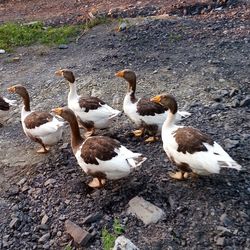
(204,62)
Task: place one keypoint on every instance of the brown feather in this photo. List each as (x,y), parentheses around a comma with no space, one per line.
(90,103)
(100,147)
(146,107)
(191,140)
(37,118)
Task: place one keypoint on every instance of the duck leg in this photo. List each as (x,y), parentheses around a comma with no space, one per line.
(179,175)
(97,183)
(138,132)
(43,150)
(152,139)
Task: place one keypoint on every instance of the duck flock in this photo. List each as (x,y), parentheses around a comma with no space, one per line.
(193,152)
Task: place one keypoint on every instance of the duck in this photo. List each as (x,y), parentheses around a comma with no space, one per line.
(192,151)
(99,156)
(92,112)
(5,106)
(39,126)
(148,116)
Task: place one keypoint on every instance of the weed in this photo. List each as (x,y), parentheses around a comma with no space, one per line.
(108,239)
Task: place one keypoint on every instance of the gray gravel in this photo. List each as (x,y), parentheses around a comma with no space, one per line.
(205,64)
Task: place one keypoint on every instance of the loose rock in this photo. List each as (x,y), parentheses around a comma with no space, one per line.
(145,210)
(79,235)
(122,243)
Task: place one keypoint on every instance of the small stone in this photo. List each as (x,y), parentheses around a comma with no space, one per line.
(49,181)
(220,241)
(231,143)
(65,145)
(155,72)
(122,243)
(44,238)
(145,210)
(14,223)
(245,102)
(44,219)
(235,103)
(59,233)
(233,92)
(22,181)
(222,80)
(122,26)
(79,235)
(62,217)
(63,46)
(225,220)
(25,188)
(92,218)
(2,51)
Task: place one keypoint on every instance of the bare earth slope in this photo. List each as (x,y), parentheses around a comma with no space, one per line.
(205,63)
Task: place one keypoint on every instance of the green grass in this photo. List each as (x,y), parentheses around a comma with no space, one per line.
(17,34)
(108,239)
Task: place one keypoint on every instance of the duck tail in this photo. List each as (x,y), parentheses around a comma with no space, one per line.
(137,160)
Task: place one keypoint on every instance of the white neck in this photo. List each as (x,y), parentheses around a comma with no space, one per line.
(170,121)
(72,92)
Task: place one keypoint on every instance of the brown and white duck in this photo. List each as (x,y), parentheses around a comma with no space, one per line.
(188,148)
(91,111)
(100,156)
(5,106)
(148,116)
(41,127)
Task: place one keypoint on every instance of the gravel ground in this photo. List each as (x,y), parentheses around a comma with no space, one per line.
(205,64)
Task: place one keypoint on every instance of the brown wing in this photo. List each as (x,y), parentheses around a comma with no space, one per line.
(191,140)
(36,119)
(146,107)
(4,105)
(90,103)
(100,147)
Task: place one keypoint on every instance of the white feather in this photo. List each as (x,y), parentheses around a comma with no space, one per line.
(130,109)
(203,162)
(102,116)
(50,133)
(11,102)
(118,167)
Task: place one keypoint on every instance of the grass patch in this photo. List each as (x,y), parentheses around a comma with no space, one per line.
(17,34)
(108,239)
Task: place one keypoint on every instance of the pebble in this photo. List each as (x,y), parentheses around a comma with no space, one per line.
(122,243)
(220,241)
(231,143)
(14,223)
(44,238)
(22,181)
(63,46)
(44,219)
(233,92)
(225,220)
(92,218)
(245,102)
(49,181)
(2,51)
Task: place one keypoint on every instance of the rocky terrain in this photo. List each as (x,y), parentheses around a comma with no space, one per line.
(205,63)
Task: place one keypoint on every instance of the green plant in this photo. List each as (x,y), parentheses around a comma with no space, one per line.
(173,37)
(17,34)
(96,21)
(68,247)
(108,239)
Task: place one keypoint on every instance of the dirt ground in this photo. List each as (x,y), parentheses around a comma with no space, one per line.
(202,59)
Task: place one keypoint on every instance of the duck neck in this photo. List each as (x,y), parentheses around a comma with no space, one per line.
(72,91)
(170,121)
(26,100)
(131,90)
(76,139)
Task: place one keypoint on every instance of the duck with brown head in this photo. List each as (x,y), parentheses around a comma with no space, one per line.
(39,126)
(147,116)
(91,112)
(188,148)
(100,156)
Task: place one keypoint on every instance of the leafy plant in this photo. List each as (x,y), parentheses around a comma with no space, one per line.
(108,239)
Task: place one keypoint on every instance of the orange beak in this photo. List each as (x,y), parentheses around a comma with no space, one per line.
(11,89)
(120,73)
(59,73)
(156,99)
(57,111)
